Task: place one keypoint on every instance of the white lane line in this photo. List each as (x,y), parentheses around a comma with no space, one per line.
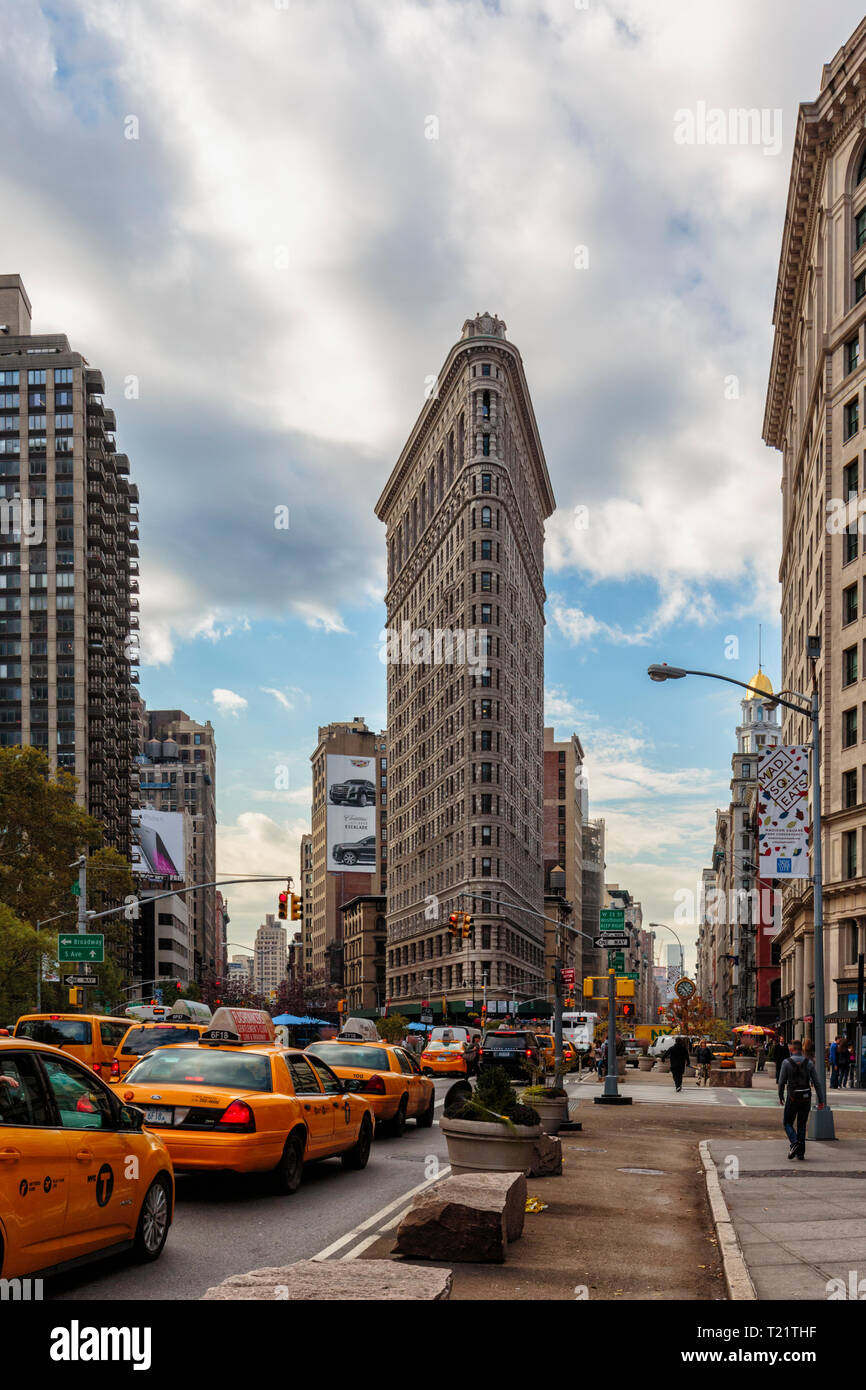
(372,1220)
(353,1254)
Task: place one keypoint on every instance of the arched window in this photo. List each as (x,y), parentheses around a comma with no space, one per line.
(486,516)
(861,170)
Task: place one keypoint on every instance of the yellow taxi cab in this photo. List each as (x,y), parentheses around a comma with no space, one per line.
(547,1043)
(144,1037)
(570,1057)
(92,1038)
(723,1055)
(236,1100)
(79,1176)
(387,1075)
(444,1059)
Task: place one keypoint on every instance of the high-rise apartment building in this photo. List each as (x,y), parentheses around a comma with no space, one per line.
(68,566)
(465,508)
(350,776)
(565,803)
(305,892)
(592,899)
(815,417)
(270,959)
(177,772)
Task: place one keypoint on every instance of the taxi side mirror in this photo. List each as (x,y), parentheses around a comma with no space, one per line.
(131,1118)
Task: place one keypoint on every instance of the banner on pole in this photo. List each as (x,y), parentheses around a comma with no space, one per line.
(783,812)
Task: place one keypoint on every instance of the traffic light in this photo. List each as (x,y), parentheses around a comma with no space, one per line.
(341,1006)
(76,996)
(467,924)
(283,909)
(297,911)
(628,1010)
(454,923)
(178,986)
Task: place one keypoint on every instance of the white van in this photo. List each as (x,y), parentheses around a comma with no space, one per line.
(663,1043)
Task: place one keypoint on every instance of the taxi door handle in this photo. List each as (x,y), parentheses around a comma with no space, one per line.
(9,1155)
(84,1156)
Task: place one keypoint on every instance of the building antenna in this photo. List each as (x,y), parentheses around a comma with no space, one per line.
(759,646)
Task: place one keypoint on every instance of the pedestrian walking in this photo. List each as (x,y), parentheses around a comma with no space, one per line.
(601,1060)
(796,1079)
(844,1058)
(833,1059)
(780,1054)
(704,1057)
(762,1055)
(678,1056)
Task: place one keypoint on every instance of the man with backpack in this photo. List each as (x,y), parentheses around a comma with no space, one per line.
(796,1079)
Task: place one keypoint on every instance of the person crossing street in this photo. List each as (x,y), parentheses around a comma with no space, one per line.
(704,1057)
(796,1079)
(678,1056)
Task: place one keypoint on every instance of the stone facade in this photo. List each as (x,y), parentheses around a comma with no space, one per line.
(464,509)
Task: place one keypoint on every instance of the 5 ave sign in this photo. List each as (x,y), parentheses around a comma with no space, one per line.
(86,946)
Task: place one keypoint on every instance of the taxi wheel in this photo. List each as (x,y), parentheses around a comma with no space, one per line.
(154,1220)
(397,1126)
(425,1120)
(357,1156)
(288,1172)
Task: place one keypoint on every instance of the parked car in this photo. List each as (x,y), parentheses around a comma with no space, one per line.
(663,1043)
(518,1051)
(356,851)
(355,791)
(633,1051)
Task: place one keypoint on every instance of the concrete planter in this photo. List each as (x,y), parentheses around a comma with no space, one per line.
(663,1067)
(745,1063)
(646,1064)
(488,1147)
(552,1112)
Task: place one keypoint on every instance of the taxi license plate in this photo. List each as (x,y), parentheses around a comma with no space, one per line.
(158,1115)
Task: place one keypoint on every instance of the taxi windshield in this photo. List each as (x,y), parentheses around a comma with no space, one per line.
(142,1040)
(364,1058)
(56,1031)
(187,1066)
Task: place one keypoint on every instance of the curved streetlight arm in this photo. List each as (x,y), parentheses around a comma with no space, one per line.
(804,708)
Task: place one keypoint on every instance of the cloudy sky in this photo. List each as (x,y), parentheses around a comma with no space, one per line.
(266,220)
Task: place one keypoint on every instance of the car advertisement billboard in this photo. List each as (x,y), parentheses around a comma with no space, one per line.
(351,791)
(157,848)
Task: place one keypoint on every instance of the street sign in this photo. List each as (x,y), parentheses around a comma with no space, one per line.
(611,919)
(566,974)
(75,890)
(81,946)
(427,1018)
(632,975)
(611,941)
(80,980)
(619,962)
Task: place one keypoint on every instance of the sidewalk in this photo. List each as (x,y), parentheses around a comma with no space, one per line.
(799,1225)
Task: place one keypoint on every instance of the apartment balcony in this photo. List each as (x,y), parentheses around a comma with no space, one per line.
(95,404)
(110,419)
(94,380)
(121,462)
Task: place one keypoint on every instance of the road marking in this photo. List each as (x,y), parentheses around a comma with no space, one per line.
(368,1241)
(385,1211)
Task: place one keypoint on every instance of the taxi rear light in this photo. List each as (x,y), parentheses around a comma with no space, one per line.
(115,1067)
(97,1067)
(374,1084)
(238,1116)
(53,1015)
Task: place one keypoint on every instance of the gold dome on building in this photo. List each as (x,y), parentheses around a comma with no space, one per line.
(762,682)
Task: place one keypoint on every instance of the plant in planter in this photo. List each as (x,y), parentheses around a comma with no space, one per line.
(551,1103)
(491,1131)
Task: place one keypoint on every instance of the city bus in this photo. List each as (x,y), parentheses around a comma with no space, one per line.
(579,1029)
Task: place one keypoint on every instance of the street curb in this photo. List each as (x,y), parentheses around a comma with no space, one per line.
(737,1278)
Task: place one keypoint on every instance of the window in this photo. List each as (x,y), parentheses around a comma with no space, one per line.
(487,768)
(485,395)
(860,228)
(486,517)
(330,1085)
(81,1101)
(63,422)
(849,787)
(849,666)
(486,581)
(486,709)
(486,740)
(303,1076)
(485,868)
(859,287)
(852,347)
(486,610)
(486,804)
(22,1100)
(35,378)
(849,547)
(486,835)
(849,854)
(62,376)
(485,369)
(849,605)
(486,551)
(486,479)
(850,480)
(485,445)
(852,418)
(849,728)
(8,378)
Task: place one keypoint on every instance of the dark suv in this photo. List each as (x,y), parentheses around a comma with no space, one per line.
(517,1050)
(356,851)
(355,791)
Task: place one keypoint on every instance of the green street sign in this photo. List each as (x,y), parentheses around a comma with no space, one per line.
(618,961)
(75,890)
(611,919)
(86,946)
(631,975)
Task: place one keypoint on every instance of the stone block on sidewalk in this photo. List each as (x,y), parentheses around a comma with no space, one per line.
(335,1280)
(724,1076)
(547,1162)
(469,1218)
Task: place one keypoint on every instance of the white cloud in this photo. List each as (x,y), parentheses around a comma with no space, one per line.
(279,696)
(228,702)
(256,844)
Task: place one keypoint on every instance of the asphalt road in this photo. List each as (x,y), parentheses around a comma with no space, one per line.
(227,1225)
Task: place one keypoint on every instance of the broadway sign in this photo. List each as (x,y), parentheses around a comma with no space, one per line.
(783,812)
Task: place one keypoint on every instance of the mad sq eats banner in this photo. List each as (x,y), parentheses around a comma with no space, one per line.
(783,812)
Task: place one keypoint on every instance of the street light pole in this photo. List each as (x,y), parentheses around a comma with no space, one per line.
(820,1118)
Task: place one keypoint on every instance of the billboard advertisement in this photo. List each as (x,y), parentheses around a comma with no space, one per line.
(157,844)
(351,792)
(783,812)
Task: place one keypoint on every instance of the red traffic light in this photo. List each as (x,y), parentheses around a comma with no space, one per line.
(283,910)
